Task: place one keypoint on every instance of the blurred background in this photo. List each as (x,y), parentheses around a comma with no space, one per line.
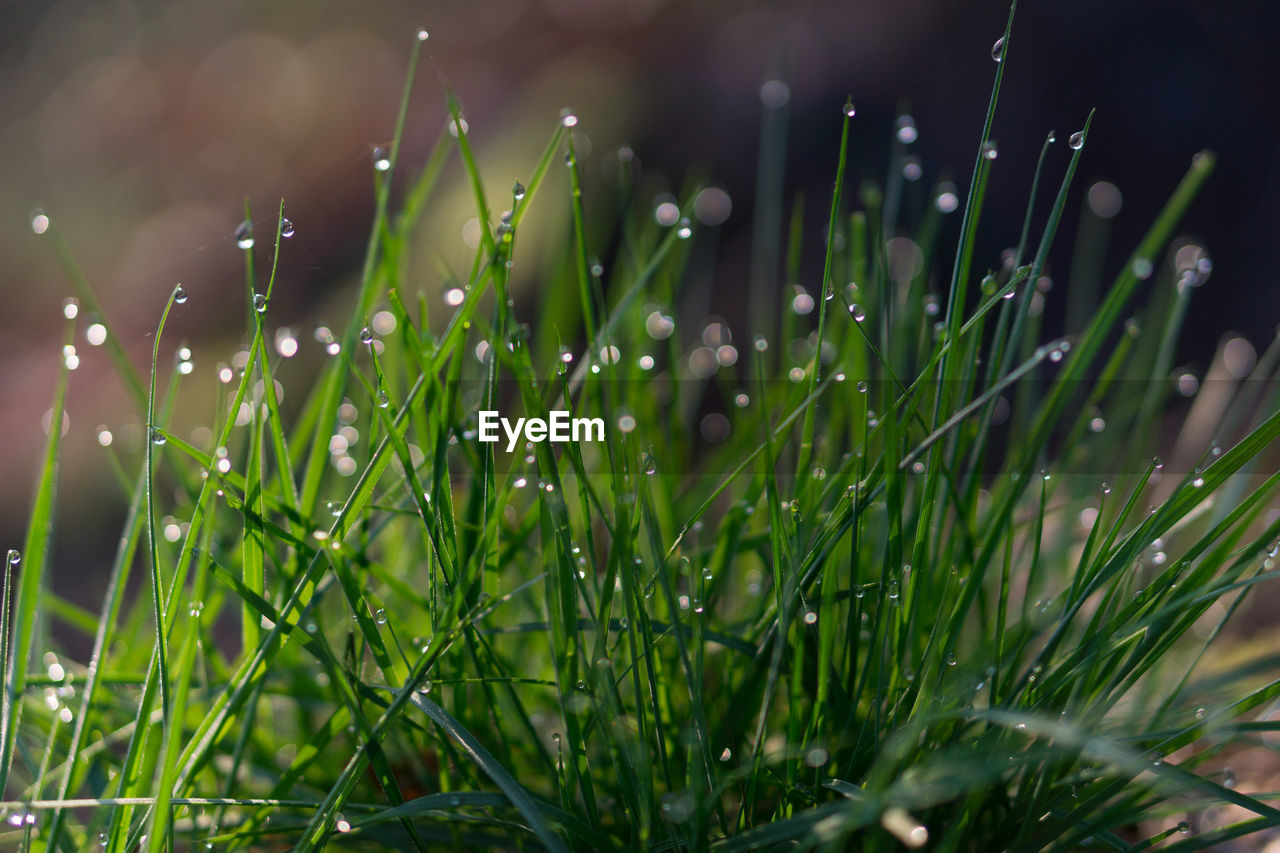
(142,128)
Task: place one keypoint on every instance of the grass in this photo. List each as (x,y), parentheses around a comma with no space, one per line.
(860,586)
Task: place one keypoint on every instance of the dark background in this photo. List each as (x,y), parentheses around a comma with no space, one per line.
(141,127)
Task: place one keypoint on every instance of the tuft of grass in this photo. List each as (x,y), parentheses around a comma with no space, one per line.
(850,580)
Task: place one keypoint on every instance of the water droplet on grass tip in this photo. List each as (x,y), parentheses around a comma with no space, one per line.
(179,296)
(685,231)
(997,49)
(14,557)
(70,308)
(1183,827)
(260,303)
(39,221)
(286,228)
(382,399)
(380,616)
(1076,141)
(381,161)
(422,34)
(366,335)
(989,150)
(244,235)
(849,110)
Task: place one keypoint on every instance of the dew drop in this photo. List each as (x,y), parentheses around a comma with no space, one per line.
(422,34)
(366,335)
(1076,141)
(180,295)
(157,437)
(14,557)
(382,399)
(39,221)
(517,191)
(380,616)
(650,465)
(260,303)
(244,235)
(856,312)
(381,161)
(849,110)
(1184,828)
(989,150)
(685,231)
(997,49)
(286,228)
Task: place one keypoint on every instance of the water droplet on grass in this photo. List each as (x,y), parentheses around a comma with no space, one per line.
(39,221)
(157,437)
(517,191)
(244,235)
(381,161)
(260,303)
(849,110)
(14,557)
(997,49)
(380,616)
(1076,141)
(286,228)
(685,231)
(179,296)
(857,313)
(422,34)
(989,150)
(366,335)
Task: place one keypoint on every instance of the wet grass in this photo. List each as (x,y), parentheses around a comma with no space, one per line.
(853,581)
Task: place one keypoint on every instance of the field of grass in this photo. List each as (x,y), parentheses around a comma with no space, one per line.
(888,570)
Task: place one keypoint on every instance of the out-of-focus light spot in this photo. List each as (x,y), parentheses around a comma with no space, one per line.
(714,427)
(471,233)
(1239,357)
(1105,199)
(666,212)
(95,334)
(947,201)
(712,206)
(775,94)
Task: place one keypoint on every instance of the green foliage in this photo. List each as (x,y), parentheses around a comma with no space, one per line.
(843,610)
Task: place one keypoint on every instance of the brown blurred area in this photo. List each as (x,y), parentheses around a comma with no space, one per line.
(141,130)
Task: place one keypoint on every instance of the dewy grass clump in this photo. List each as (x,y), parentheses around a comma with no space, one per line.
(855,582)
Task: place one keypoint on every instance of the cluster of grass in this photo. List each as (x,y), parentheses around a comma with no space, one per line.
(855,618)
